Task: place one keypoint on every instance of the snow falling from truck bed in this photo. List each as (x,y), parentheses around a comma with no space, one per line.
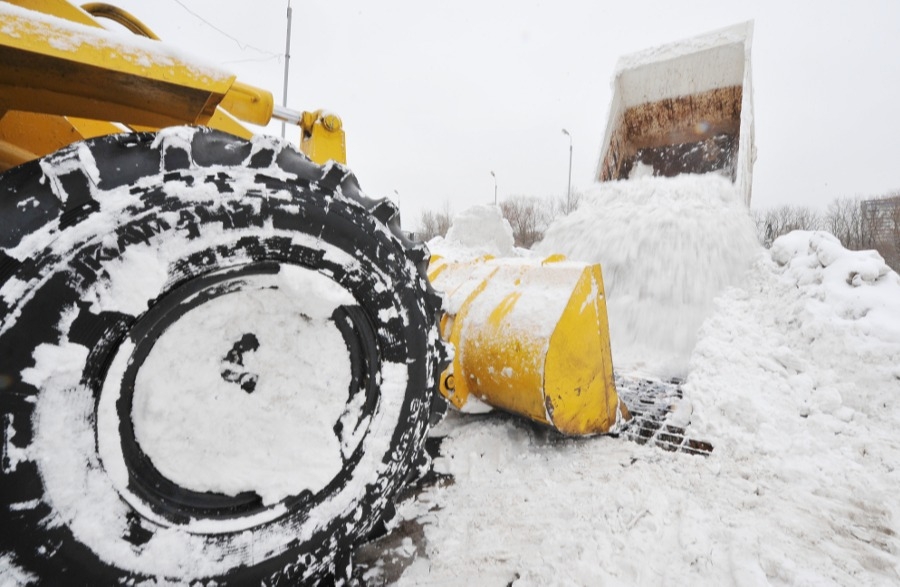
(794,378)
(667,247)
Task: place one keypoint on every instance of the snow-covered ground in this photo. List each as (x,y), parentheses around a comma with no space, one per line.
(793,376)
(792,364)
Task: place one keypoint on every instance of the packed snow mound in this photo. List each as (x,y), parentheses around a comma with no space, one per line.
(667,247)
(824,335)
(857,287)
(477,231)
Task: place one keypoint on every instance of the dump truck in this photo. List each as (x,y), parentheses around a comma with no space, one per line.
(684,107)
(220,356)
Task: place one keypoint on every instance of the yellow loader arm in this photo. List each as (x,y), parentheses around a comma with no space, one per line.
(57,62)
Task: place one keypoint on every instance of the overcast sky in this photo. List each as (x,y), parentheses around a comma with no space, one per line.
(436,95)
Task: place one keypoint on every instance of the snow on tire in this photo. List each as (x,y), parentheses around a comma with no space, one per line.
(217,362)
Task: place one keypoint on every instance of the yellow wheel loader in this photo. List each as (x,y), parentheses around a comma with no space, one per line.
(220,357)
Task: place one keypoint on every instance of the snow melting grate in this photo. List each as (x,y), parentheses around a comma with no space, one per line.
(650,402)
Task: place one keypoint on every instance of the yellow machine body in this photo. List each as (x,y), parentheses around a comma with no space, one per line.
(532,338)
(64,78)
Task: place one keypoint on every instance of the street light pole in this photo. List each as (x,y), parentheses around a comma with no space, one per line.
(287,62)
(569,188)
(494,175)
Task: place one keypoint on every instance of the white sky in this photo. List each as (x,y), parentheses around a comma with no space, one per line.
(435,96)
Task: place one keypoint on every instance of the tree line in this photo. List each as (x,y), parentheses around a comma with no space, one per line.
(529,217)
(860,224)
(872,223)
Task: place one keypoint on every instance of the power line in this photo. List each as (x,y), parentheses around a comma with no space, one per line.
(253,60)
(243,46)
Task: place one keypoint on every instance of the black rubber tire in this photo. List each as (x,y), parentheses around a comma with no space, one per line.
(242,210)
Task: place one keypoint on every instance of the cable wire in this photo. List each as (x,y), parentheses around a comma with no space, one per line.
(243,46)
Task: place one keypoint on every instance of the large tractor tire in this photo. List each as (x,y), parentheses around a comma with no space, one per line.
(218,361)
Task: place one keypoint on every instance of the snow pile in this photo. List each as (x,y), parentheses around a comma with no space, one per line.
(476,231)
(667,247)
(857,286)
(795,380)
(827,340)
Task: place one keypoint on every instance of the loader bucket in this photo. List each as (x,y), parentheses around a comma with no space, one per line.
(686,107)
(531,338)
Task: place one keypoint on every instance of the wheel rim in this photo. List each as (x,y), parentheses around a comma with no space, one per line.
(163,478)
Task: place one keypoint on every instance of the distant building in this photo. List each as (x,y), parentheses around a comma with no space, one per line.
(881,218)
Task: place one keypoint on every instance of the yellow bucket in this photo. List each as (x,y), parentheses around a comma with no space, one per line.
(532,338)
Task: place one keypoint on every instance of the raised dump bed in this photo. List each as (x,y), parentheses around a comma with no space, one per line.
(686,107)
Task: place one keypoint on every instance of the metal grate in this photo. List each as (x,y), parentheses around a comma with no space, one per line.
(650,402)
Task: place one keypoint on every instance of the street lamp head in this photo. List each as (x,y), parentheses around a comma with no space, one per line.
(495,187)
(565,132)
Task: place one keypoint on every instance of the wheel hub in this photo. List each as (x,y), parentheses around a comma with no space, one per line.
(232,393)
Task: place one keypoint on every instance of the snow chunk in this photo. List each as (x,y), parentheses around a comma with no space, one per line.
(14,454)
(482,230)
(11,574)
(134,279)
(64,362)
(73,159)
(841,285)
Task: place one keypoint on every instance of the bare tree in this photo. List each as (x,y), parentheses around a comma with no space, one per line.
(562,205)
(806,219)
(432,224)
(759,218)
(774,222)
(844,219)
(891,251)
(528,216)
(858,224)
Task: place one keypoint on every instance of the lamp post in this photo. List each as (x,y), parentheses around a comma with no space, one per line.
(287,62)
(494,175)
(569,188)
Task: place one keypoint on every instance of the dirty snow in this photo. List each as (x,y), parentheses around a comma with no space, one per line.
(794,378)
